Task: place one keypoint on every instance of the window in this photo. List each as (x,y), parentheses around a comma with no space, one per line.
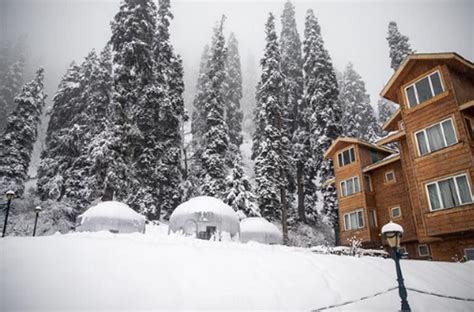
(469,253)
(423,250)
(389,176)
(372,218)
(395,212)
(354,220)
(346,157)
(424,89)
(448,193)
(368,183)
(403,251)
(350,186)
(436,137)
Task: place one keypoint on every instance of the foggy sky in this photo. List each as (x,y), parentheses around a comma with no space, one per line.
(59,31)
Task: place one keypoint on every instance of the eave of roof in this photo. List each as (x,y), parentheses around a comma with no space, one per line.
(466,105)
(381,163)
(330,150)
(392,137)
(329,182)
(385,93)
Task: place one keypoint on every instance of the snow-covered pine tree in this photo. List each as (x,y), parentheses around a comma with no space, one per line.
(215,140)
(198,120)
(270,173)
(292,70)
(321,94)
(239,193)
(16,143)
(233,95)
(9,89)
(398,45)
(169,73)
(386,109)
(358,118)
(136,102)
(60,146)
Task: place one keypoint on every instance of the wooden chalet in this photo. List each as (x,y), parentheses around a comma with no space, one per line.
(426,186)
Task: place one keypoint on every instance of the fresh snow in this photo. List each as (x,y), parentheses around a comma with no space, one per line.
(154,271)
(392,227)
(113,210)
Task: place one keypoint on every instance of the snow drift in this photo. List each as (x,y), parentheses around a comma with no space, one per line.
(111,216)
(155,271)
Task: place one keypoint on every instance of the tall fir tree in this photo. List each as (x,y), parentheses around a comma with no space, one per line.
(398,45)
(233,95)
(399,48)
(136,102)
(16,143)
(358,119)
(294,114)
(9,89)
(215,140)
(270,171)
(321,94)
(169,72)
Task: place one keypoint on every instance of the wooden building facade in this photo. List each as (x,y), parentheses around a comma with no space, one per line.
(427,185)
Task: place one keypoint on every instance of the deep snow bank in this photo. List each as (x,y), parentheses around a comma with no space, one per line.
(104,271)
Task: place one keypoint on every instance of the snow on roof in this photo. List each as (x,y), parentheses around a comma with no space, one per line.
(205,204)
(112,210)
(392,227)
(385,161)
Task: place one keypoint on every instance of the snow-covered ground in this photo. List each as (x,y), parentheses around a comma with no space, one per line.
(153,271)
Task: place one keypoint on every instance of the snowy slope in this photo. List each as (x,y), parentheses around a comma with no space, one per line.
(99,271)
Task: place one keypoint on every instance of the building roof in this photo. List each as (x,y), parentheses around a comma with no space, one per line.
(393,136)
(451,58)
(344,140)
(387,160)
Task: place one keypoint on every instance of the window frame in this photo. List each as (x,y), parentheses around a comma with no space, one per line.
(418,150)
(438,191)
(361,210)
(374,214)
(469,121)
(391,212)
(465,253)
(341,153)
(394,176)
(427,248)
(413,84)
(345,181)
(370,188)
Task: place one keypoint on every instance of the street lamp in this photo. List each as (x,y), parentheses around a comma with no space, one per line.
(37,211)
(392,232)
(9,195)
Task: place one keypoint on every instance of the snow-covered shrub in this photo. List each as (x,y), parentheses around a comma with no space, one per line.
(304,235)
(355,245)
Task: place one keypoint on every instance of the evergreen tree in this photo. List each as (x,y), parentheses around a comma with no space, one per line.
(215,140)
(321,94)
(9,89)
(294,124)
(16,144)
(398,44)
(233,94)
(270,168)
(169,74)
(386,109)
(239,193)
(136,102)
(358,119)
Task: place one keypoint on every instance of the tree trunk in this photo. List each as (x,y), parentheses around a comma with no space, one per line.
(336,234)
(299,181)
(108,193)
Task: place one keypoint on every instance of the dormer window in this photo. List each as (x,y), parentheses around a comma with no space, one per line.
(424,89)
(346,157)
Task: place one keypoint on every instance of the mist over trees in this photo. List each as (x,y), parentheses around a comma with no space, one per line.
(118,128)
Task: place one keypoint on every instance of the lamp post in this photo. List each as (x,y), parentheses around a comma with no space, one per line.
(392,232)
(37,211)
(9,195)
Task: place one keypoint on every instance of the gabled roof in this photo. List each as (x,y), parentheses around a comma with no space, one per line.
(391,137)
(451,58)
(387,160)
(336,144)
